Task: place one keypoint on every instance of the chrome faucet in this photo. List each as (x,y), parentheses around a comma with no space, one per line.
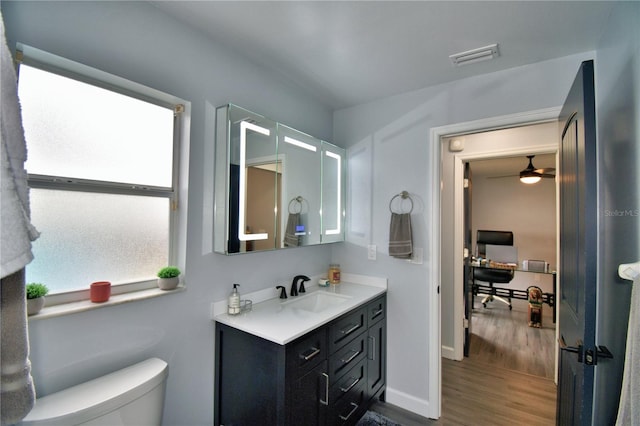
(294,284)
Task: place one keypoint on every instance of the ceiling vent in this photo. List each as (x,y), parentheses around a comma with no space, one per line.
(475,55)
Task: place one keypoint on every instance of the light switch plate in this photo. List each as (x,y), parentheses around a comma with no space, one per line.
(372,249)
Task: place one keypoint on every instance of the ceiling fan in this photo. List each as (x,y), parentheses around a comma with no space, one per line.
(532,175)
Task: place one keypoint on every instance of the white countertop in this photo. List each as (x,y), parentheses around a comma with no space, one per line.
(280,321)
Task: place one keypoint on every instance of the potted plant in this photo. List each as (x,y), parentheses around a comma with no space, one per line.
(35,297)
(168,278)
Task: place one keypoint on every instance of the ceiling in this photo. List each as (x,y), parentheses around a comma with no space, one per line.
(346,53)
(507,167)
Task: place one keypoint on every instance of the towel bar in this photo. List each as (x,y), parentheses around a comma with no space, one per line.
(299,199)
(404,195)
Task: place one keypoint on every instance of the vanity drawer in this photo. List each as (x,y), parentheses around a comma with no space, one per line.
(349,381)
(306,352)
(346,329)
(348,356)
(348,410)
(377,310)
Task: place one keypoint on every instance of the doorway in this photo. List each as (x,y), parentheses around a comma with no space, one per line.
(498,332)
(448,167)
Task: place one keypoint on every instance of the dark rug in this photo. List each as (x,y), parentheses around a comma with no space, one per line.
(371,418)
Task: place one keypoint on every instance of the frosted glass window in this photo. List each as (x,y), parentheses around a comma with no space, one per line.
(101,168)
(78,130)
(87,237)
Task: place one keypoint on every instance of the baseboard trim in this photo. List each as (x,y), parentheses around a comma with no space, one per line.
(408,402)
(448,352)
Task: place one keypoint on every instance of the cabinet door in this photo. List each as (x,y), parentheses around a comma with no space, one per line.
(311,396)
(376,358)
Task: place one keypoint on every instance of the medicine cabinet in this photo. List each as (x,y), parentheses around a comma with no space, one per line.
(275,187)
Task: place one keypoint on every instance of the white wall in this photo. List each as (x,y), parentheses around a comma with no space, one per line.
(139,42)
(529,212)
(617,74)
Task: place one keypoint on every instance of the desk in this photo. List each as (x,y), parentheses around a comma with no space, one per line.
(548,298)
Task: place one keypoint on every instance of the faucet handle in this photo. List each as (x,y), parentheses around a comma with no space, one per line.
(283,292)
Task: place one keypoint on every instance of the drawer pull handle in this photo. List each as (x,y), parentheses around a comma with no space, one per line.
(314,352)
(348,388)
(351,330)
(373,348)
(326,390)
(348,360)
(355,407)
(378,312)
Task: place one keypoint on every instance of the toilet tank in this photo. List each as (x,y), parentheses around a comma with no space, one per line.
(131,396)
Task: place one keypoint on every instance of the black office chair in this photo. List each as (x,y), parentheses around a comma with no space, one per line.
(493,275)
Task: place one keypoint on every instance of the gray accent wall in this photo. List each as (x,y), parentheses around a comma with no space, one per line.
(617,74)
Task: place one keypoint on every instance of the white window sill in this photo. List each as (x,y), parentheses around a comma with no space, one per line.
(87,305)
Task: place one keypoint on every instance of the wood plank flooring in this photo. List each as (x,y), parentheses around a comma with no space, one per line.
(503,338)
(507,379)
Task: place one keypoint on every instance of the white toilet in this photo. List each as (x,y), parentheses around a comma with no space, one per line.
(131,396)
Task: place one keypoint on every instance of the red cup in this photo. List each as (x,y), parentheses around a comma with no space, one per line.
(100,291)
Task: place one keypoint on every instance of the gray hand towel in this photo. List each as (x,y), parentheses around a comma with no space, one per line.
(400,241)
(290,237)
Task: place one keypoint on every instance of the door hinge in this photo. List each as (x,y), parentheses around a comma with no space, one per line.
(465,183)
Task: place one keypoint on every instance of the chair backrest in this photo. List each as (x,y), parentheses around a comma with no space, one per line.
(498,238)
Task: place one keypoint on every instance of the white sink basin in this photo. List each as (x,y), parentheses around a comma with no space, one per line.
(317,301)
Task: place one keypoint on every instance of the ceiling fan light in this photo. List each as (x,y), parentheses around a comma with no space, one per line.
(529,175)
(530,178)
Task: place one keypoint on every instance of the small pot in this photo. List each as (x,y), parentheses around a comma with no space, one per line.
(100,291)
(35,305)
(168,283)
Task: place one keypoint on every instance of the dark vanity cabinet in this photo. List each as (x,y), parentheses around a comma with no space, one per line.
(329,376)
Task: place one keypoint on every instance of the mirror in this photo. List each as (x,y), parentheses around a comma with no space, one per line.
(275,187)
(333,196)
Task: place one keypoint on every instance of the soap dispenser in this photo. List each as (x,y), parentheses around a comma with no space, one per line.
(233,307)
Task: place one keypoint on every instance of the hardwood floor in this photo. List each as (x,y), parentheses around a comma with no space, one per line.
(507,378)
(503,338)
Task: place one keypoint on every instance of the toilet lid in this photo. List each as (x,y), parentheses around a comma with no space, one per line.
(94,398)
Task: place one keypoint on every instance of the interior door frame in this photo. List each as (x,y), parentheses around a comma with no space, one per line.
(434,331)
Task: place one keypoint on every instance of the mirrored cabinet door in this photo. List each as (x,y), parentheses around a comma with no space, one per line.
(299,155)
(333,193)
(249,177)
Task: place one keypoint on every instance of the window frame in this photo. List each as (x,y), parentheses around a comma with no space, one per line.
(48,62)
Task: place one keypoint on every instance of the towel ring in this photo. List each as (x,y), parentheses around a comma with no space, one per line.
(299,199)
(404,195)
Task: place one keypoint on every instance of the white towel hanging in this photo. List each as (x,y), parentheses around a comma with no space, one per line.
(629,408)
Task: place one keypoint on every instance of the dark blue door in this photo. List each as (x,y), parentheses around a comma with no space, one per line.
(578,250)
